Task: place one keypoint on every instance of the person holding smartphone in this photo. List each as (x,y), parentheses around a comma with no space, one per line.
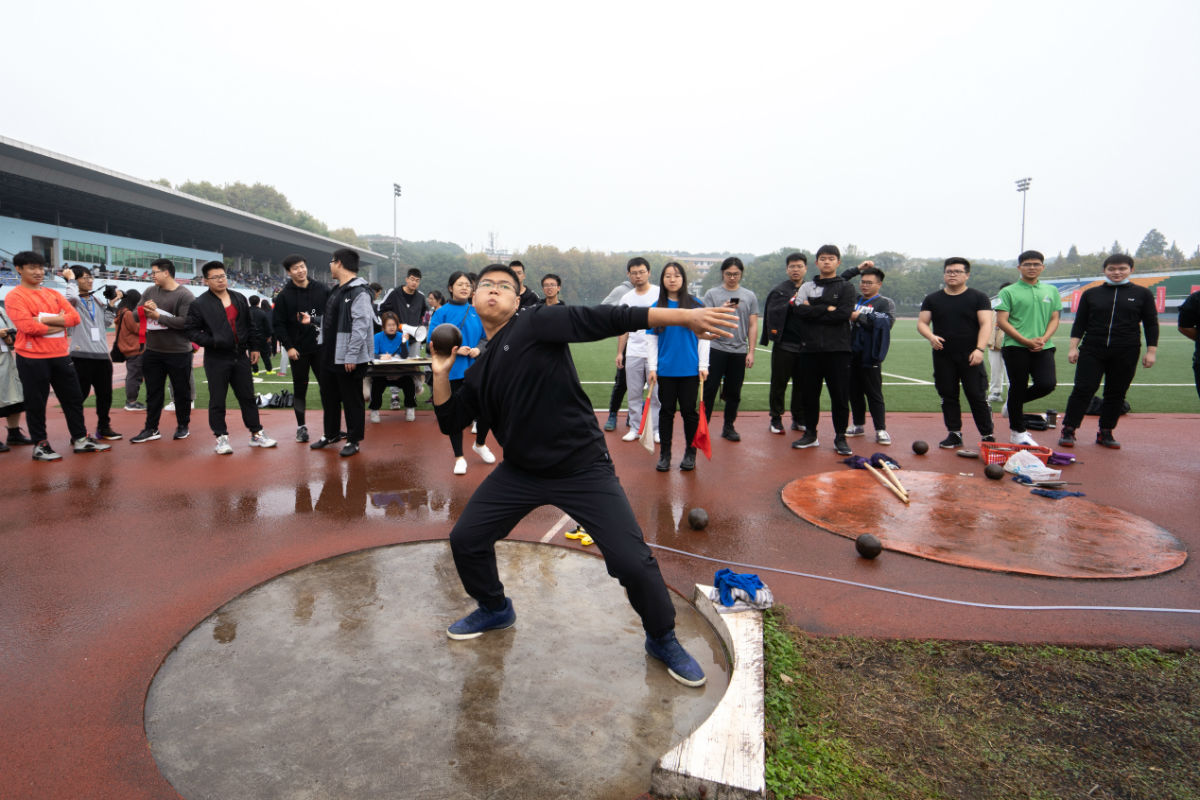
(730,358)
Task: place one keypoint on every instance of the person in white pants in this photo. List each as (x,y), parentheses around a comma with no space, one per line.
(632,350)
(997,373)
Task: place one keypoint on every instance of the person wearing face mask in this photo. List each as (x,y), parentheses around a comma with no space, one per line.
(1105,344)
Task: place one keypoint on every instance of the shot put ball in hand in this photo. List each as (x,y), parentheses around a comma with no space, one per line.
(445,339)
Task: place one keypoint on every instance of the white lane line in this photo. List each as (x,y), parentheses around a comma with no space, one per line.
(554,529)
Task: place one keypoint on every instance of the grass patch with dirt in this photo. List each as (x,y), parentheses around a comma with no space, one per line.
(856,718)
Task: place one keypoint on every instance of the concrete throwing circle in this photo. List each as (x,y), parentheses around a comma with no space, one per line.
(338,680)
(984,524)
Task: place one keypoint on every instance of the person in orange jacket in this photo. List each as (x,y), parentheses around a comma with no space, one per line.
(42,317)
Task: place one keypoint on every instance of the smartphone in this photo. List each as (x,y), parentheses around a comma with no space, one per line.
(734,300)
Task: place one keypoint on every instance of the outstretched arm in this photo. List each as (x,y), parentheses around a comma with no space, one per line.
(707,323)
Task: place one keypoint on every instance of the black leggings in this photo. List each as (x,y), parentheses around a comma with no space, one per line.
(732,368)
(38,375)
(300,369)
(682,392)
(951,368)
(456,438)
(1022,364)
(866,392)
(96,374)
(225,371)
(593,497)
(834,370)
(1116,367)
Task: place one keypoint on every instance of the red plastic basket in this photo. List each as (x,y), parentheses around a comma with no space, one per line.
(996,453)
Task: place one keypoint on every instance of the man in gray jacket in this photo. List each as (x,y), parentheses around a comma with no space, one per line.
(347,345)
(89,345)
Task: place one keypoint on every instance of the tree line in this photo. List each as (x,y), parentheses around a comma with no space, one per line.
(589,276)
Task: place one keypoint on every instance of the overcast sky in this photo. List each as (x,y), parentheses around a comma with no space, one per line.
(626,126)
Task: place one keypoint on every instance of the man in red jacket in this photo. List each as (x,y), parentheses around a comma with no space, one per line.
(43,351)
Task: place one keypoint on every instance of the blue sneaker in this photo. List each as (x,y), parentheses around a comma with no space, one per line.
(680,666)
(481,620)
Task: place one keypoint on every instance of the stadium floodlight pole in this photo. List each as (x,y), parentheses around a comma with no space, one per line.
(395,238)
(1023,188)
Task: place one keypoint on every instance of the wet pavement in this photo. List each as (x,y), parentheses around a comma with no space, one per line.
(112,559)
(337,680)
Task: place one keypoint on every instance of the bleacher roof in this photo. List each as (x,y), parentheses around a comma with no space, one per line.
(36,184)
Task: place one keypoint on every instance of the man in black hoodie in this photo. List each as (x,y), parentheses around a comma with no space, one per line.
(219,321)
(525,388)
(785,354)
(1107,322)
(296,319)
(821,311)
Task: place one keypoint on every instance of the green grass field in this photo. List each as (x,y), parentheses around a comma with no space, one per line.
(1168,387)
(908,375)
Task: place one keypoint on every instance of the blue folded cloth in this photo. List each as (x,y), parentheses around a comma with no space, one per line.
(1056,494)
(726,581)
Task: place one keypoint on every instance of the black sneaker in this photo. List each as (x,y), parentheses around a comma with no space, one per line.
(796,426)
(1067,437)
(664,461)
(339,436)
(182,432)
(320,444)
(1104,438)
(729,433)
(44,452)
(302,434)
(842,448)
(147,435)
(350,449)
(953,441)
(611,424)
(989,438)
(108,433)
(776,425)
(17,437)
(809,439)
(689,460)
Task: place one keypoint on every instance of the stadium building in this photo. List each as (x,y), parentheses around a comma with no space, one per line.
(73,212)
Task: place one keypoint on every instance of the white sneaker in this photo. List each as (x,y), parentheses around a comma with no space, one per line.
(474,427)
(656,439)
(223,447)
(855,430)
(374,416)
(1022,437)
(260,439)
(460,466)
(882,437)
(995,398)
(631,436)
(482,451)
(410,415)
(169,406)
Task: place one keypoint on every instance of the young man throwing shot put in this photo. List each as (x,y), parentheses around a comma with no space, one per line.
(525,389)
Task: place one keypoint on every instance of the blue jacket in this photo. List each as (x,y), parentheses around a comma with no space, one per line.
(466,320)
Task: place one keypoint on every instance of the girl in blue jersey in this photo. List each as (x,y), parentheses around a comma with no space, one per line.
(459,312)
(678,362)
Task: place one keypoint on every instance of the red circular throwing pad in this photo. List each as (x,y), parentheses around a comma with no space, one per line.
(983,524)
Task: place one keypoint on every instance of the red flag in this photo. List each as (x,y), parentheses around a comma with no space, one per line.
(701,441)
(646,431)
